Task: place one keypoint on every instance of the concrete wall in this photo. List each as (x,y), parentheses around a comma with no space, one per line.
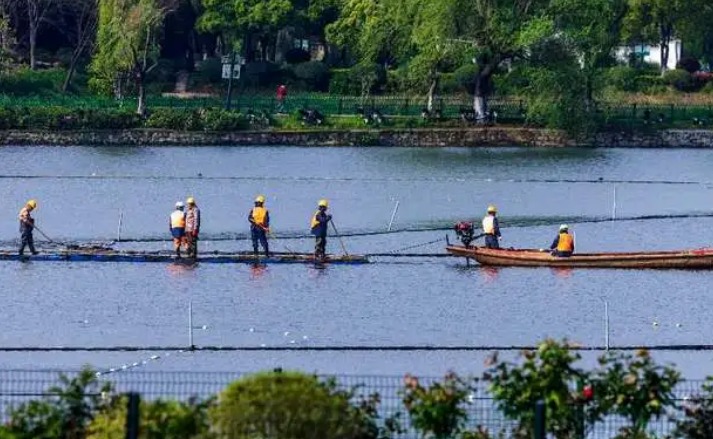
(467,137)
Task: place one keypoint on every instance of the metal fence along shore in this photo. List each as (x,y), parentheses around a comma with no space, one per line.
(19,386)
(506,110)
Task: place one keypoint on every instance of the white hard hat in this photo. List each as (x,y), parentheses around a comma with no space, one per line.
(564,227)
(179,205)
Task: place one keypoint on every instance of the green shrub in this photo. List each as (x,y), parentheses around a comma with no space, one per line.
(697,422)
(65,412)
(291,405)
(32,82)
(173,119)
(340,83)
(313,74)
(679,79)
(438,410)
(448,84)
(623,78)
(689,64)
(158,420)
(512,83)
(222,120)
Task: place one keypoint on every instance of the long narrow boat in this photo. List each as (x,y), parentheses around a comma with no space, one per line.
(108,255)
(683,259)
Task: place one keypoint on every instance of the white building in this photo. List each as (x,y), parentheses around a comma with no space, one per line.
(651,53)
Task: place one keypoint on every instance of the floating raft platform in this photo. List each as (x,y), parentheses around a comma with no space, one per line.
(109,255)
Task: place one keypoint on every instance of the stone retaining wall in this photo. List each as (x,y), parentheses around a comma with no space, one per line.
(469,137)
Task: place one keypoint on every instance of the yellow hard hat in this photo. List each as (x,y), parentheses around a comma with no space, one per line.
(191,200)
(492,209)
(260,199)
(32,204)
(323,203)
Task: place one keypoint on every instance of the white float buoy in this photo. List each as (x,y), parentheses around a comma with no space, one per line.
(286,333)
(252,329)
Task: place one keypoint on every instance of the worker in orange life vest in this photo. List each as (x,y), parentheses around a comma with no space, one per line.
(259,219)
(177,225)
(563,245)
(491,228)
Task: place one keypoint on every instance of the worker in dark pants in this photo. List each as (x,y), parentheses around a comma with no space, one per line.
(27,225)
(193,227)
(259,219)
(491,228)
(319,224)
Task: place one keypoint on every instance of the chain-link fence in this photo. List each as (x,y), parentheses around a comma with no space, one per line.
(20,386)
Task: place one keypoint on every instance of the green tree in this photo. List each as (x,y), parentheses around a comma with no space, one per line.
(498,32)
(236,20)
(659,22)
(127,44)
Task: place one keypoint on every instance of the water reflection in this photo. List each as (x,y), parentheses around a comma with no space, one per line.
(489,274)
(562,272)
(257,271)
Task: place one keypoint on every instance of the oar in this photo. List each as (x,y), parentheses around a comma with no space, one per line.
(341,241)
(45,236)
(272,235)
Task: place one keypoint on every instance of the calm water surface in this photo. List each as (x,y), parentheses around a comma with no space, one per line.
(437,301)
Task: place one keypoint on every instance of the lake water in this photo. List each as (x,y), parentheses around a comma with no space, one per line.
(394,301)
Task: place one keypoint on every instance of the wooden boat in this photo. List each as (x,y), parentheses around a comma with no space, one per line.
(683,259)
(109,255)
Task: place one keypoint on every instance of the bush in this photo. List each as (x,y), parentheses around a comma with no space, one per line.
(313,74)
(397,81)
(65,412)
(623,78)
(512,83)
(158,420)
(25,82)
(680,80)
(691,65)
(291,405)
(437,411)
(340,83)
(297,55)
(222,120)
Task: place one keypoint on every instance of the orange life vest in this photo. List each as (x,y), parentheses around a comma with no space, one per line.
(259,216)
(566,243)
(178,220)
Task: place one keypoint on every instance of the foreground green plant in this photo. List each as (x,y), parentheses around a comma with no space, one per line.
(292,405)
(635,387)
(437,411)
(546,374)
(65,411)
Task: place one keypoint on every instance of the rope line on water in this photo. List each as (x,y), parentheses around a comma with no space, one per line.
(358,179)
(337,348)
(130,366)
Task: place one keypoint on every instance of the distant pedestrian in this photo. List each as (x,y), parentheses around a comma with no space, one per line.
(281,96)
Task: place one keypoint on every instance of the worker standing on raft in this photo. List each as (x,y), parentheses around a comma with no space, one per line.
(259,219)
(491,228)
(27,225)
(177,225)
(193,227)
(563,245)
(319,224)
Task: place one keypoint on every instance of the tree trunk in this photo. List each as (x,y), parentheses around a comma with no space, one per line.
(666,34)
(70,74)
(141,109)
(480,95)
(33,42)
(431,93)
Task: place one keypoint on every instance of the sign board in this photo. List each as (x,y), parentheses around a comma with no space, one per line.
(237,67)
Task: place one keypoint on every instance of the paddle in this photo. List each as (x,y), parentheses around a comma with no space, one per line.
(47,237)
(341,241)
